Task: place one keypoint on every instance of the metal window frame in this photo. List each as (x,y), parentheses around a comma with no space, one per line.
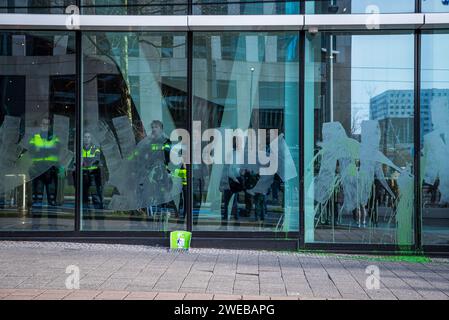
(293,22)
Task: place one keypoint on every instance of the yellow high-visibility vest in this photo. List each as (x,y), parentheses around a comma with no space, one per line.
(89,154)
(181,173)
(41,144)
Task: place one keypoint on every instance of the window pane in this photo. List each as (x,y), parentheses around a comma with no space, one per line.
(134,97)
(359,138)
(359,6)
(37,130)
(134,7)
(434,132)
(226,7)
(435,5)
(244,83)
(35,6)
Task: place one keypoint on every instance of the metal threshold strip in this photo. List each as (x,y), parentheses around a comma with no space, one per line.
(312,23)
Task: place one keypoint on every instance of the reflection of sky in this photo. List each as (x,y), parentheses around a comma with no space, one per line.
(434,6)
(385,6)
(379,63)
(435,61)
(360,6)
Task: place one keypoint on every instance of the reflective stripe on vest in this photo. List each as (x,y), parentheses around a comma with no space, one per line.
(159,147)
(49,158)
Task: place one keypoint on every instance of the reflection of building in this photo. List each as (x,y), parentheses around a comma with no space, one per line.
(250,7)
(247,75)
(394,109)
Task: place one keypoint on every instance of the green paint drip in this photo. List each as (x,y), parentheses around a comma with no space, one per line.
(404,212)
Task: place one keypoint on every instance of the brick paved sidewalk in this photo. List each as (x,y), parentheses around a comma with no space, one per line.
(37,270)
(42,294)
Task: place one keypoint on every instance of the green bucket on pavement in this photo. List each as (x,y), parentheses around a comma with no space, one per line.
(180,240)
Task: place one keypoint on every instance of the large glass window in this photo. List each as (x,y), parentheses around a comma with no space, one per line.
(245,131)
(37,130)
(434,133)
(359,6)
(35,6)
(359,138)
(134,7)
(435,5)
(225,7)
(134,97)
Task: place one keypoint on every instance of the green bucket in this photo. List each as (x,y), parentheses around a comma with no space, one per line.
(180,240)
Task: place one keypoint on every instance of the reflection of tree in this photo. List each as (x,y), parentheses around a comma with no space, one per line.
(356,121)
(104,45)
(135,7)
(116,48)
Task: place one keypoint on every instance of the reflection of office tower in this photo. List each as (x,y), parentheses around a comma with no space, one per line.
(394,109)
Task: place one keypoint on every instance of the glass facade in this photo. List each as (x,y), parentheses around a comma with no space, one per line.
(327,136)
(359,6)
(435,5)
(247,84)
(35,6)
(37,130)
(359,138)
(225,7)
(134,7)
(222,7)
(135,94)
(434,126)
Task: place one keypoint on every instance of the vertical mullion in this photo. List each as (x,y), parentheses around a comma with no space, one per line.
(301,100)
(417,141)
(78,126)
(302,41)
(189,166)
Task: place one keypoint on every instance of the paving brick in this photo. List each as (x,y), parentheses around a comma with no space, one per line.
(82,295)
(112,295)
(21,297)
(284,298)
(255,297)
(170,296)
(227,297)
(198,296)
(141,296)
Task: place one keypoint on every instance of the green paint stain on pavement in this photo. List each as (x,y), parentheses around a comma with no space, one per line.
(411,259)
(402,256)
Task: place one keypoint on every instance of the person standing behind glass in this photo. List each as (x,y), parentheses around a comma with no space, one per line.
(232,182)
(44,151)
(160,146)
(91,157)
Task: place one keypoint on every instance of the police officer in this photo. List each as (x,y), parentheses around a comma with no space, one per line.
(160,146)
(44,148)
(182,173)
(91,172)
(159,141)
